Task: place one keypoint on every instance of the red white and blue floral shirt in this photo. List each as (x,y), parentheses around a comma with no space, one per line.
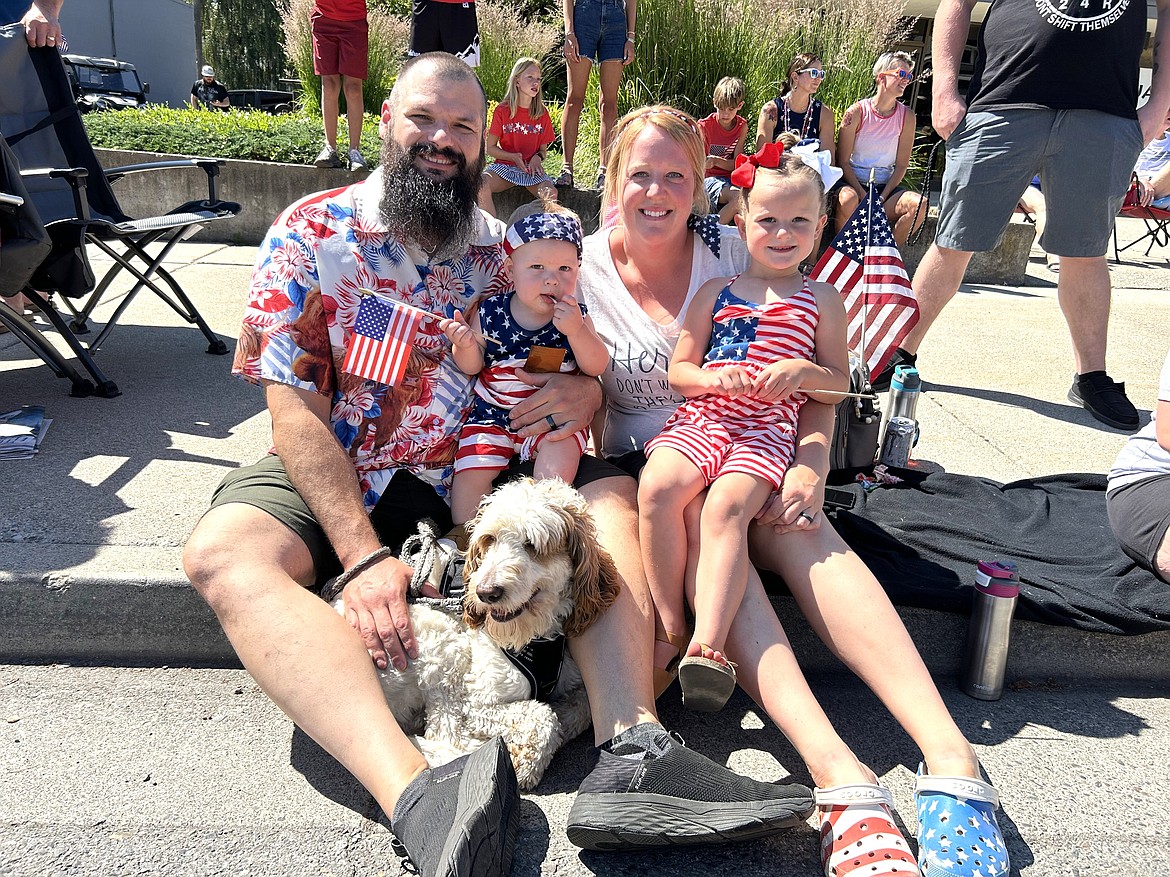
(302,305)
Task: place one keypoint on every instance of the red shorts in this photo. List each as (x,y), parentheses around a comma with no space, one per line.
(340,46)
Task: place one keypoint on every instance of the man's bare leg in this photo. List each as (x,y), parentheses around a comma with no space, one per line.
(252,571)
(1084,293)
(935,283)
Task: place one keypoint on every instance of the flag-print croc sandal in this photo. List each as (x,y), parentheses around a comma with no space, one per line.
(858,834)
(958,835)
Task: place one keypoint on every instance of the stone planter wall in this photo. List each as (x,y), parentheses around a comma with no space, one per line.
(264,189)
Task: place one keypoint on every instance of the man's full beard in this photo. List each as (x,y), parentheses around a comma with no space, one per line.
(440,215)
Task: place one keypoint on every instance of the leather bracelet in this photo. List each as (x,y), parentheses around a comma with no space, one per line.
(332,589)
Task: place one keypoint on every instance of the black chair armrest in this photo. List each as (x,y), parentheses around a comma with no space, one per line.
(210,166)
(76,177)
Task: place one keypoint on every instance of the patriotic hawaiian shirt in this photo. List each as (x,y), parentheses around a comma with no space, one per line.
(302,305)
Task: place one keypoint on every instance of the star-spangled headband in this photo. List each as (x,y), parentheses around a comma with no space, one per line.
(543,227)
(769,156)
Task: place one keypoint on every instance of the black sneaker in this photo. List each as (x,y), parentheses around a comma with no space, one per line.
(460,820)
(646,789)
(1105,399)
(900,357)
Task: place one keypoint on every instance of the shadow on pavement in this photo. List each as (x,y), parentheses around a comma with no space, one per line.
(1065,413)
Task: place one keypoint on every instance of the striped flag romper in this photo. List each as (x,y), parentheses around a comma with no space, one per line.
(722,434)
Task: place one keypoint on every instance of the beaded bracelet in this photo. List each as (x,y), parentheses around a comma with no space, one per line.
(332,589)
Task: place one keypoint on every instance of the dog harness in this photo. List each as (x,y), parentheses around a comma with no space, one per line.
(540,661)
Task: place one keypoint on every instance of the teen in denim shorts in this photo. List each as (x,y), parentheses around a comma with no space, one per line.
(596,32)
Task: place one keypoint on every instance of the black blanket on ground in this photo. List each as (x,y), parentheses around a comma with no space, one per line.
(922,541)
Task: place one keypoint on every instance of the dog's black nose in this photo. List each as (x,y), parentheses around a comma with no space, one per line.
(489,594)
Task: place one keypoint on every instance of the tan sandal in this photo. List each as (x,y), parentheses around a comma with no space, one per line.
(706,684)
(664,676)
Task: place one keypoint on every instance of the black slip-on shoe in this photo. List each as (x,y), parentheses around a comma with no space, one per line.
(646,789)
(1105,399)
(460,820)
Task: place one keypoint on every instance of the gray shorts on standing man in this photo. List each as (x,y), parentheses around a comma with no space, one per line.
(1084,159)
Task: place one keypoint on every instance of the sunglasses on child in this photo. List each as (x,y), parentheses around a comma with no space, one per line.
(904,75)
(813,72)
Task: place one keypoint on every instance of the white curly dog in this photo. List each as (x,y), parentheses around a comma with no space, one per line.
(534,572)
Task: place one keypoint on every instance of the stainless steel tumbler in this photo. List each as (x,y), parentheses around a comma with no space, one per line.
(997,585)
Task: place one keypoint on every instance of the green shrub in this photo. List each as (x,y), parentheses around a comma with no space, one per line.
(244,134)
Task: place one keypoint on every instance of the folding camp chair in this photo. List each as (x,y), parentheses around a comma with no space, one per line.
(1156,219)
(72,192)
(24,247)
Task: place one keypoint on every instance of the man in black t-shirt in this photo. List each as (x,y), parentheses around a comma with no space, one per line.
(1053,93)
(206,92)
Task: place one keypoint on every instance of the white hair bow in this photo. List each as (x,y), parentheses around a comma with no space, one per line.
(819,160)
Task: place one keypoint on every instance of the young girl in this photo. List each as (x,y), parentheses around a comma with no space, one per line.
(751,350)
(877,133)
(518,139)
(538,327)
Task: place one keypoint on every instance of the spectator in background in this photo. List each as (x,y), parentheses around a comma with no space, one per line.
(724,132)
(1153,172)
(877,135)
(1055,101)
(449,26)
(341,50)
(209,94)
(797,108)
(1033,206)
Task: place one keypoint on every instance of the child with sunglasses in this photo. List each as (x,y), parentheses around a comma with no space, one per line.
(877,134)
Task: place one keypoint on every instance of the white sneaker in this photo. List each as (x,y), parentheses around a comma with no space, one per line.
(356,162)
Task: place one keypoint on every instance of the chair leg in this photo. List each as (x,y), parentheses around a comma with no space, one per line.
(105,387)
(178,301)
(31,337)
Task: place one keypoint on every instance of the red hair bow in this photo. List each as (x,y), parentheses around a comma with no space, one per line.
(744,175)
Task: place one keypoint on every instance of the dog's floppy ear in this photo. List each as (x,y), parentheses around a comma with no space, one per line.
(595,577)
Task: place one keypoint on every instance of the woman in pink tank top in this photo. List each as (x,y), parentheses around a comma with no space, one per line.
(877,134)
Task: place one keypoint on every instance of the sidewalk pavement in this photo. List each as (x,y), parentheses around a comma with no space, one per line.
(193,771)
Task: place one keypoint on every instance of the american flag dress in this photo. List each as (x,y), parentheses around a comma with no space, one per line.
(486,440)
(722,434)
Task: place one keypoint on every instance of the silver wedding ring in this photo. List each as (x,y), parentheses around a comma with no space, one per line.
(552,424)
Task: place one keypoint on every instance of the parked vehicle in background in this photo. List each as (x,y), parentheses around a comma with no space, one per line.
(104,83)
(267,99)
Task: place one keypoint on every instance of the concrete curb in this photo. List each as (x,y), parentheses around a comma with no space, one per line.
(89,616)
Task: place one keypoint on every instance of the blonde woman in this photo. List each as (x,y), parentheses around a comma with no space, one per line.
(877,134)
(638,277)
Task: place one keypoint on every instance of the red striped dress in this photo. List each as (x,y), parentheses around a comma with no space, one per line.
(722,434)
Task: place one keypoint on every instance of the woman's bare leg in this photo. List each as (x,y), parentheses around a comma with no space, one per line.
(830,583)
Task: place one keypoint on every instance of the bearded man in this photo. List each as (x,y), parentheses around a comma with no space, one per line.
(357,463)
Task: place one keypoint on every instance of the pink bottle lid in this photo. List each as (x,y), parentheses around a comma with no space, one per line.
(998,578)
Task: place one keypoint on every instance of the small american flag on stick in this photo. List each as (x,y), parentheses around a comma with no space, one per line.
(383,335)
(864,264)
